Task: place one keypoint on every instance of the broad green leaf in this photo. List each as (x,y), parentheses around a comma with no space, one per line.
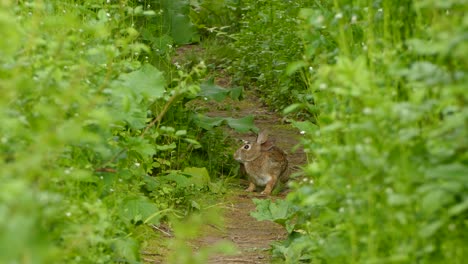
(176,18)
(127,248)
(236,92)
(139,209)
(141,146)
(242,125)
(148,82)
(213,91)
(206,122)
(306,127)
(279,211)
(198,176)
(180,179)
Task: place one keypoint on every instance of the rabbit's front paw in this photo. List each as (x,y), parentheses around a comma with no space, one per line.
(251,187)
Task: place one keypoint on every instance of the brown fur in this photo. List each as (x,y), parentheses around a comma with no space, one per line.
(263,162)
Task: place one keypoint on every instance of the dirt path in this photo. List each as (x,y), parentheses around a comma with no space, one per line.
(251,237)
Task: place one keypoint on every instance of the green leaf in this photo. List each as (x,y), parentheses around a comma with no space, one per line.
(176,17)
(306,127)
(213,91)
(434,200)
(453,171)
(242,125)
(430,229)
(127,248)
(141,146)
(148,82)
(279,211)
(199,176)
(236,92)
(295,66)
(166,147)
(206,122)
(458,208)
(292,108)
(176,176)
(139,209)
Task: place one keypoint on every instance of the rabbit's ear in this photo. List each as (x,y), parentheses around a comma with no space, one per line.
(262,137)
(267,145)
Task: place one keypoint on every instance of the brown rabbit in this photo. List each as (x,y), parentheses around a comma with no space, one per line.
(263,162)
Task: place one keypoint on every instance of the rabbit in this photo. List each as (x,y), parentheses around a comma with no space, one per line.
(263,162)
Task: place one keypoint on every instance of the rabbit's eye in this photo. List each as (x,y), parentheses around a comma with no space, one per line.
(246,146)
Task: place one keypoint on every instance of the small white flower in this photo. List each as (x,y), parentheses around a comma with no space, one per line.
(380,10)
(137,164)
(205,98)
(101,177)
(323,86)
(311,181)
(302,132)
(311,69)
(339,16)
(304,180)
(68,214)
(111,189)
(353,19)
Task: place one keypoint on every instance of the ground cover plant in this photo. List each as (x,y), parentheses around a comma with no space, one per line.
(386,180)
(96,142)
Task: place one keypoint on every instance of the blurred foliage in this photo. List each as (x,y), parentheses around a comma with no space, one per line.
(386,179)
(95,139)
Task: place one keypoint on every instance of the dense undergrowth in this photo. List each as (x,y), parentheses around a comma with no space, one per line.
(387,135)
(97,142)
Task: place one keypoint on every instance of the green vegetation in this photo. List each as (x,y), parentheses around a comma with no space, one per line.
(387,175)
(98,143)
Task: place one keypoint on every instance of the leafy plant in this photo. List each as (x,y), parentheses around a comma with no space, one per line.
(91,134)
(387,149)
